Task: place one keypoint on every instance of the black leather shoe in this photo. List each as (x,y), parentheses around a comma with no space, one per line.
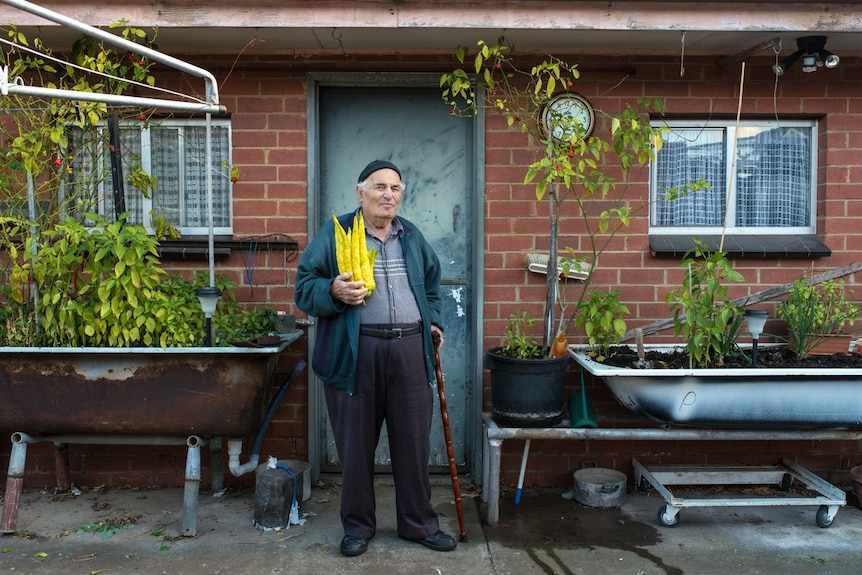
(438,542)
(351,545)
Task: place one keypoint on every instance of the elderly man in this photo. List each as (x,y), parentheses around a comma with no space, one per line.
(375,355)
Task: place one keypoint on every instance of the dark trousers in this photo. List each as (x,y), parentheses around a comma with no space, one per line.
(391,386)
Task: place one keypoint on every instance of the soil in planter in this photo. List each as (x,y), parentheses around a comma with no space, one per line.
(780,357)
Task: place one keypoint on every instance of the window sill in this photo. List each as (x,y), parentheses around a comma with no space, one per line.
(195,248)
(768,246)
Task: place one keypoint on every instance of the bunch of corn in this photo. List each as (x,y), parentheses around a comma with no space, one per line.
(350,252)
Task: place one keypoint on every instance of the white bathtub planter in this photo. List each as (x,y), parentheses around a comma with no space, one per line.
(766,397)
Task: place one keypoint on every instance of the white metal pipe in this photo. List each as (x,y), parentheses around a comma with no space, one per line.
(209,184)
(212,86)
(20,437)
(234,450)
(15,88)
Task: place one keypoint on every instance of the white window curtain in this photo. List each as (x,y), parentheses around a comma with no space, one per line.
(687,156)
(773,178)
(173,153)
(773,186)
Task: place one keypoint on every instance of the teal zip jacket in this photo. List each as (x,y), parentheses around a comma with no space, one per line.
(336,346)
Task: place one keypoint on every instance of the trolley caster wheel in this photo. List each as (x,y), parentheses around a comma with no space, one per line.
(786,482)
(823,518)
(643,485)
(669,520)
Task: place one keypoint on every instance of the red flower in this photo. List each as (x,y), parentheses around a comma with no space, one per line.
(58,161)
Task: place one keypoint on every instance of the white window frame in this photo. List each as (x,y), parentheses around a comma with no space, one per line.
(730,128)
(104,187)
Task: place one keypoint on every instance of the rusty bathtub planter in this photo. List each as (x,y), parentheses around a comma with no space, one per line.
(207,391)
(776,398)
(175,396)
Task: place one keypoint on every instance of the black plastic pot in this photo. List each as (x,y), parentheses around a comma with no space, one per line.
(527,392)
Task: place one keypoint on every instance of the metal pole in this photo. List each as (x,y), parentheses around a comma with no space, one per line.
(14,485)
(119,100)
(192,486)
(209,180)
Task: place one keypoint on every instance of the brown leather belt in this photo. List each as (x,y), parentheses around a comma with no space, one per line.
(389,332)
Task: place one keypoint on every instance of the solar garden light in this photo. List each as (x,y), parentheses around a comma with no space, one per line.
(209,297)
(756,320)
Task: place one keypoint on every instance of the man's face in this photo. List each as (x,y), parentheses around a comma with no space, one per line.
(381,197)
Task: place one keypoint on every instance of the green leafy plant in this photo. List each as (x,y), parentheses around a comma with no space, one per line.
(104,286)
(232,321)
(571,166)
(16,313)
(518,342)
(602,319)
(708,322)
(814,312)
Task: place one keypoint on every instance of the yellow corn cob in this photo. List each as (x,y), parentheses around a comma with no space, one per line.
(342,247)
(370,283)
(357,236)
(365,261)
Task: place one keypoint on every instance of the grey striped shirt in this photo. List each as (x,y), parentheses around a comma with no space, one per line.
(392,300)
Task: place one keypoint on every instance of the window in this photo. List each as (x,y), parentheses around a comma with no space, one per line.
(172,154)
(772,192)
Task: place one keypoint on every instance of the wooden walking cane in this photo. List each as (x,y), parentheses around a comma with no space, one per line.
(453,468)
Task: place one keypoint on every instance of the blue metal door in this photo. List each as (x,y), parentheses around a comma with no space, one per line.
(411,127)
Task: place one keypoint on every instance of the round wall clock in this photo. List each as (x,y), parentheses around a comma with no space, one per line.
(563,112)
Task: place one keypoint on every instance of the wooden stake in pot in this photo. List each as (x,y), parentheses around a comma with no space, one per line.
(453,468)
(641,363)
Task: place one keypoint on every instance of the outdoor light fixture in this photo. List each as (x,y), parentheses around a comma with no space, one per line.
(812,50)
(209,297)
(829,59)
(756,320)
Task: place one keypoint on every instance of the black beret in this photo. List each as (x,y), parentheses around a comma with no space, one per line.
(377,165)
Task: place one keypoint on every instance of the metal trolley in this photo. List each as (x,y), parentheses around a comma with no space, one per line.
(828,497)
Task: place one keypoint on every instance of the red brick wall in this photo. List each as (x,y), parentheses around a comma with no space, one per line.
(266,97)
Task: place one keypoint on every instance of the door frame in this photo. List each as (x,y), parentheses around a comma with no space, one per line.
(475,396)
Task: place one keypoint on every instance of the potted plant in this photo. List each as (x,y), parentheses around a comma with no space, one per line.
(816,316)
(521,359)
(574,163)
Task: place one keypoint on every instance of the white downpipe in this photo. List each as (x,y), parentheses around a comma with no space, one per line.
(234,450)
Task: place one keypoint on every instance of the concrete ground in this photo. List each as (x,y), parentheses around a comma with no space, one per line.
(546,534)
